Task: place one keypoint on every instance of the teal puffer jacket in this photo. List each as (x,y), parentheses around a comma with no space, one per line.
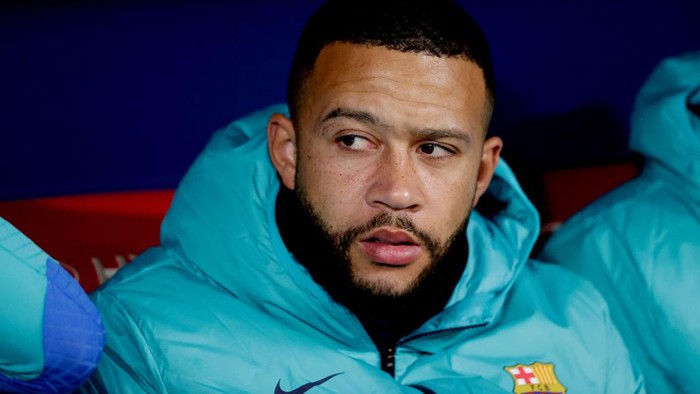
(222,306)
(640,244)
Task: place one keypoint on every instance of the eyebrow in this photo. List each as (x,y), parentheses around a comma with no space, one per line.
(438,134)
(360,116)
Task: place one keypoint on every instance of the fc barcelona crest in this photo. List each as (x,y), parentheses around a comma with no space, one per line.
(537,378)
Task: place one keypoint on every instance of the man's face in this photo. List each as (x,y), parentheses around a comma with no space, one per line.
(387,155)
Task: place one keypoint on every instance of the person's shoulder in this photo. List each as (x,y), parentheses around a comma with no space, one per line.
(633,200)
(157,300)
(560,300)
(150,285)
(560,290)
(611,205)
(623,221)
(149,267)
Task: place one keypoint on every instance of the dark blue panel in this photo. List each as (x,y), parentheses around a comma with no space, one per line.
(123,96)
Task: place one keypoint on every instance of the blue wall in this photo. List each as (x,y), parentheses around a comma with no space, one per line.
(122,96)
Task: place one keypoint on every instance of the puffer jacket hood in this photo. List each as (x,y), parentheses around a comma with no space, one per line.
(666,119)
(229,194)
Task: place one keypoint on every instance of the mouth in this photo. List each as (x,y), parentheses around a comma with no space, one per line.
(395,248)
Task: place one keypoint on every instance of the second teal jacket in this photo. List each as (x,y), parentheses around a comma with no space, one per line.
(640,244)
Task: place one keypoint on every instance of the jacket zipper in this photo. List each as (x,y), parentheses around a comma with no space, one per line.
(387,357)
(388,354)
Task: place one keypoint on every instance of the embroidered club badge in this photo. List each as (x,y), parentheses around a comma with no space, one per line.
(536,378)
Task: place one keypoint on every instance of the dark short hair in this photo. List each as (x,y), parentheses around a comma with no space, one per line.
(439,27)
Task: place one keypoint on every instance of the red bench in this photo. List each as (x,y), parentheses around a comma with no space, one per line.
(91,235)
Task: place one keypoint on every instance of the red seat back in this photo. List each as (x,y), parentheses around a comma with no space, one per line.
(92,235)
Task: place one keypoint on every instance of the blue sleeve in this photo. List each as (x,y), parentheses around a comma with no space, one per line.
(68,330)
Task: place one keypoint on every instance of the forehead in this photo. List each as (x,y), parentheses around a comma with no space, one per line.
(394,84)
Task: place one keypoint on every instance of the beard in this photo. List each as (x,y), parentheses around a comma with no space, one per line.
(326,256)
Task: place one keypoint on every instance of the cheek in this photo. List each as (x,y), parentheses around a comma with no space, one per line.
(449,201)
(334,188)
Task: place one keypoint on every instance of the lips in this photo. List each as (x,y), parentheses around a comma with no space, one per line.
(390,247)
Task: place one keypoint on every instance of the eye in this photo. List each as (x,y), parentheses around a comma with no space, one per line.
(435,150)
(354,142)
(347,140)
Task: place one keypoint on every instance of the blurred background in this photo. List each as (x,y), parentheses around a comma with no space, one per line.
(101,96)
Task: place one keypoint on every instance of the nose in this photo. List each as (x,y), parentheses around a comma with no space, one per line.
(396,184)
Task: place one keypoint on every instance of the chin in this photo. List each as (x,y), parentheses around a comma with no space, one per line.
(386,284)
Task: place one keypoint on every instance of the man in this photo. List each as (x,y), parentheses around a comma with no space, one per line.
(341,253)
(640,244)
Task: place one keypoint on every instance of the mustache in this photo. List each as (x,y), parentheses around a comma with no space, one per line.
(346,237)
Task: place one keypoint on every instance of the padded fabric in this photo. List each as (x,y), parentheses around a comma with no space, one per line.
(68,330)
(22,288)
(187,316)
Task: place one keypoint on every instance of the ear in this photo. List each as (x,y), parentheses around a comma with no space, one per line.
(490,155)
(281,142)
